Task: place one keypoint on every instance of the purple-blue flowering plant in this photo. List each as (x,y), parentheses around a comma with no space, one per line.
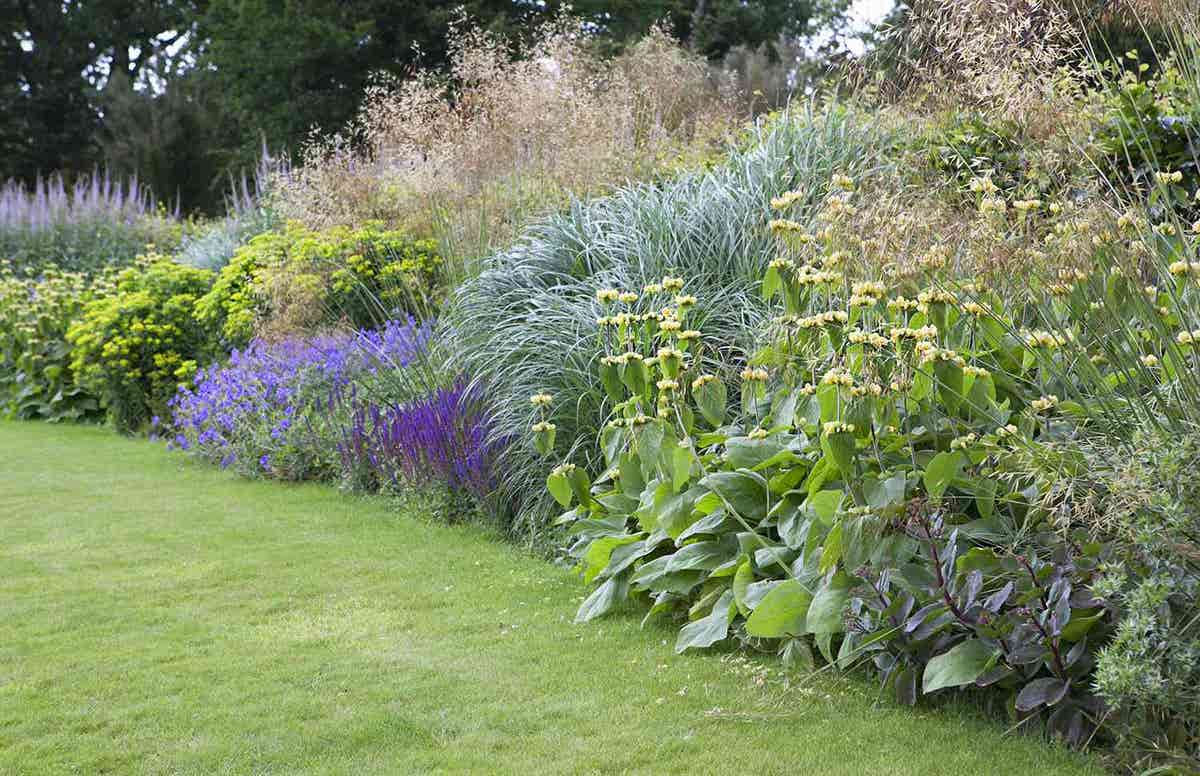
(277,408)
(440,439)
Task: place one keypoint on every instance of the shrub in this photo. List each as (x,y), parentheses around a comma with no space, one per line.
(36,378)
(910,478)
(860,506)
(298,280)
(1146,125)
(277,408)
(93,224)
(528,321)
(1149,502)
(134,347)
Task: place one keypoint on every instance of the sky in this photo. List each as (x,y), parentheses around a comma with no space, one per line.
(865,13)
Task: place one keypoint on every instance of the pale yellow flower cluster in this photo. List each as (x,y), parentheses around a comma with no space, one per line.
(871,338)
(837,376)
(786,200)
(1044,404)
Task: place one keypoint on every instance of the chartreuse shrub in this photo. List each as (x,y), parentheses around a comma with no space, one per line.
(298,279)
(898,478)
(133,347)
(36,378)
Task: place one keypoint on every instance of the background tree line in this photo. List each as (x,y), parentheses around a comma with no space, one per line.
(185,93)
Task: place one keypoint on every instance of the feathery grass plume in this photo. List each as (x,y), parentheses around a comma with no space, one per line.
(512,137)
(528,322)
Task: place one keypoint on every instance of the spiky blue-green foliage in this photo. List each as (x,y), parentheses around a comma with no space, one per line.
(527,322)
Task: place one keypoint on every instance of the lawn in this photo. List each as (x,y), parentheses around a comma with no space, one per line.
(160,617)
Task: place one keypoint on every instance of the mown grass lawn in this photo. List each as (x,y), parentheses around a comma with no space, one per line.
(160,617)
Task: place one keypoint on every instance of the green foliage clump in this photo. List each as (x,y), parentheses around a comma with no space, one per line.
(36,378)
(297,279)
(904,482)
(134,347)
(527,321)
(1148,125)
(1149,672)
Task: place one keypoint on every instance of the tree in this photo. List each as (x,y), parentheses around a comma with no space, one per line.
(288,66)
(58,56)
(710,27)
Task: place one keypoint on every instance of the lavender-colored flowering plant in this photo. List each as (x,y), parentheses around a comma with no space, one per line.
(275,408)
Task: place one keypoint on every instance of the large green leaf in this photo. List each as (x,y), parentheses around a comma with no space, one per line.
(703,555)
(745,492)
(599,553)
(829,604)
(708,630)
(962,664)
(559,487)
(941,471)
(603,599)
(711,397)
(782,612)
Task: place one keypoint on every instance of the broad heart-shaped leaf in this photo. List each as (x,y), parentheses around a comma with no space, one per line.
(604,598)
(831,550)
(825,505)
(771,283)
(840,449)
(961,664)
(950,383)
(559,487)
(828,605)
(882,493)
(543,441)
(703,555)
(746,453)
(782,612)
(746,493)
(1046,691)
(599,552)
(742,579)
(708,630)
(649,445)
(681,466)
(580,485)
(632,481)
(613,441)
(712,397)
(610,376)
(941,471)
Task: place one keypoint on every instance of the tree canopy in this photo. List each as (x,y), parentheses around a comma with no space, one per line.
(183,91)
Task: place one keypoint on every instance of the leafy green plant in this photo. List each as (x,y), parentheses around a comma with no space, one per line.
(297,279)
(895,481)
(92,224)
(528,321)
(134,347)
(1150,124)
(36,378)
